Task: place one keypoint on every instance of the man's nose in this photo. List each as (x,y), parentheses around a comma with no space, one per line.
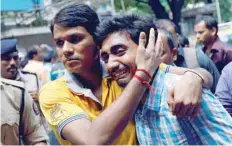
(198,35)
(12,61)
(112,63)
(67,48)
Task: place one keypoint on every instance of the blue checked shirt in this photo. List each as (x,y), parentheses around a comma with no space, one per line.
(155,124)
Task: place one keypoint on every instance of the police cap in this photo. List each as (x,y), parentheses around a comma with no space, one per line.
(8,45)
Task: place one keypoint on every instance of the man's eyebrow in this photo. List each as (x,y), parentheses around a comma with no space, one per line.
(68,35)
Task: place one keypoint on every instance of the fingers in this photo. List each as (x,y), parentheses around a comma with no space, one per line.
(170,98)
(142,40)
(176,107)
(186,111)
(183,110)
(190,111)
(194,114)
(151,42)
(159,49)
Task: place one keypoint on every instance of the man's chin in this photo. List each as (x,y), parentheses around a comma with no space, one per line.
(12,77)
(123,82)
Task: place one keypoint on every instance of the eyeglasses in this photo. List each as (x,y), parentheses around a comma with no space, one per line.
(8,58)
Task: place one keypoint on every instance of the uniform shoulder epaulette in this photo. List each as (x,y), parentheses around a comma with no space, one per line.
(27,72)
(12,82)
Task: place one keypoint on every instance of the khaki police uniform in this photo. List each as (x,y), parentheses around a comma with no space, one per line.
(32,83)
(32,131)
(30,80)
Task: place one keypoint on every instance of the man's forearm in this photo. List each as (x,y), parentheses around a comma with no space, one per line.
(207,77)
(204,74)
(112,121)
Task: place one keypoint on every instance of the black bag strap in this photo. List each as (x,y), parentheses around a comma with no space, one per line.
(21,125)
(36,77)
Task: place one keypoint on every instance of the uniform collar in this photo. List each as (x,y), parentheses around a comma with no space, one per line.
(20,77)
(76,86)
(12,82)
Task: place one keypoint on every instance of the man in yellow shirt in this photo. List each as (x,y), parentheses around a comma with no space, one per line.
(81,107)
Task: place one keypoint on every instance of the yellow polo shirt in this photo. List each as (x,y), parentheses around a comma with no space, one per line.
(65,100)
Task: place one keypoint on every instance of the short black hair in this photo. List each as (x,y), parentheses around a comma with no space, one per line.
(131,23)
(164,24)
(183,40)
(32,51)
(169,38)
(77,15)
(210,21)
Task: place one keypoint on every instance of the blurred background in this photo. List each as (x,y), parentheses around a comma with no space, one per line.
(28,20)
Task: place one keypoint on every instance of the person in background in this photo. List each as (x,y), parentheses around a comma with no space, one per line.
(224,88)
(48,59)
(31,80)
(155,123)
(20,115)
(169,53)
(206,29)
(184,42)
(36,63)
(189,57)
(58,69)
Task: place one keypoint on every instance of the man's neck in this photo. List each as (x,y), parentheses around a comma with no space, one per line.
(91,79)
(210,44)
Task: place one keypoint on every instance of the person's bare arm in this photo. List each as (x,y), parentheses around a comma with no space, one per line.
(204,74)
(109,124)
(184,98)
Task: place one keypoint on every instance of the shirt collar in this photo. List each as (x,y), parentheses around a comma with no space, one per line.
(217,44)
(76,86)
(20,77)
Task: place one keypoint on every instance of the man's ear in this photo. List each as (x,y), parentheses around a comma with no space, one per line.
(214,31)
(174,54)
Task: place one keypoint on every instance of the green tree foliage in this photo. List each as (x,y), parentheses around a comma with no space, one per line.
(225,7)
(162,8)
(133,6)
(226,10)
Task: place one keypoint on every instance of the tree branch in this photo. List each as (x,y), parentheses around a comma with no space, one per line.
(169,3)
(158,9)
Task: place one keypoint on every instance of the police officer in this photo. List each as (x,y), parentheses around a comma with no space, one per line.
(20,116)
(20,124)
(8,51)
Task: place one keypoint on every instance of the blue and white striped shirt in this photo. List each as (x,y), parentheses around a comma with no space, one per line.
(155,124)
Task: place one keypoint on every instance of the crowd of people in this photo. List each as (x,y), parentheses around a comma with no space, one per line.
(126,80)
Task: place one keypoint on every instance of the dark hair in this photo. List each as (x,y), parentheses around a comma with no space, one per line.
(169,38)
(32,51)
(164,24)
(48,56)
(77,15)
(133,24)
(183,41)
(210,21)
